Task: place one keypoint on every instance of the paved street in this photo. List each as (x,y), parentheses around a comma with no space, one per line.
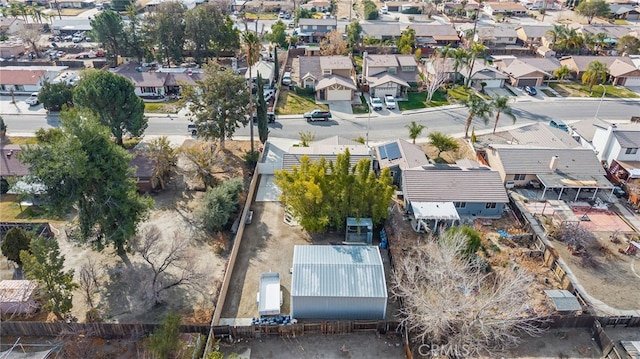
(383,125)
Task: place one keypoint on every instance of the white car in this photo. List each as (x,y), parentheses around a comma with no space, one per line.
(32,100)
(390,102)
(376,103)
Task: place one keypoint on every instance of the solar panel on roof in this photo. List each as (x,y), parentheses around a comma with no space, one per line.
(393,151)
(383,152)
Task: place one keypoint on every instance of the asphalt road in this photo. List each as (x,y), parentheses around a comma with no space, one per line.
(382,125)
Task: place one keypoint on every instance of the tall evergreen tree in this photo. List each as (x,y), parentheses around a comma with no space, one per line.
(261,112)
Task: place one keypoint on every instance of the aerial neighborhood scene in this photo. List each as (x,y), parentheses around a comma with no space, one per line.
(319,179)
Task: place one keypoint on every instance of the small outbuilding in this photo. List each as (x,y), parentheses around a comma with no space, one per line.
(270,296)
(359,230)
(338,282)
(564,301)
(18,297)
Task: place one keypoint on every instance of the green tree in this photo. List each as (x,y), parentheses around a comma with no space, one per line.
(205,27)
(219,203)
(557,33)
(165,157)
(121,5)
(500,105)
(3,129)
(261,112)
(475,50)
(108,29)
(473,239)
(251,48)
(278,34)
(276,65)
(56,95)
(165,340)
(459,57)
(593,8)
(166,25)
(629,44)
(320,200)
(15,240)
(85,170)
(112,98)
(49,135)
(596,73)
(354,34)
(135,41)
(477,107)
(218,103)
(370,10)
(303,13)
(442,142)
(45,265)
(561,72)
(407,41)
(415,129)
(306,137)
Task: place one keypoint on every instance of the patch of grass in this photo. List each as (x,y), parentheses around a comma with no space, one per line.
(548,93)
(574,89)
(357,61)
(251,15)
(22,141)
(290,103)
(10,210)
(459,92)
(439,98)
(162,107)
(415,101)
(361,108)
(620,22)
(71,12)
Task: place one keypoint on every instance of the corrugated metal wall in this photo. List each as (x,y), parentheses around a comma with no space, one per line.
(343,308)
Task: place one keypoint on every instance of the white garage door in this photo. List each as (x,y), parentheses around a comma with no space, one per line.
(632,81)
(339,95)
(493,83)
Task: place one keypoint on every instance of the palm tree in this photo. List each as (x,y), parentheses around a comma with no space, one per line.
(596,73)
(36,13)
(557,33)
(459,57)
(477,107)
(562,72)
(590,42)
(252,46)
(501,105)
(415,129)
(572,40)
(475,49)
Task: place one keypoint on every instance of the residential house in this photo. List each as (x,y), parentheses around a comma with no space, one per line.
(624,11)
(159,84)
(400,6)
(458,8)
(612,32)
(328,150)
(22,80)
(546,66)
(10,165)
(314,30)
(483,74)
(389,74)
(145,166)
(522,74)
(331,77)
(435,35)
(266,71)
(383,31)
(73,4)
(499,35)
(69,26)
(318,5)
(533,36)
(621,69)
(540,4)
(439,195)
(504,8)
(563,170)
(617,142)
(397,156)
(584,131)
(540,135)
(10,26)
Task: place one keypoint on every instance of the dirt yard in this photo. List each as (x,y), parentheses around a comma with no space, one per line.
(464,151)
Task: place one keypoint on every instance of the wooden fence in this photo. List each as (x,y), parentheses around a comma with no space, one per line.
(101,330)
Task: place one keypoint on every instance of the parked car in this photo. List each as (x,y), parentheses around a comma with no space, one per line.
(286,79)
(619,192)
(316,115)
(559,125)
(390,102)
(191,128)
(531,91)
(32,100)
(376,103)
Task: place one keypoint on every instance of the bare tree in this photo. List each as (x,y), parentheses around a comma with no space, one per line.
(576,237)
(171,265)
(88,281)
(206,161)
(436,74)
(30,37)
(333,44)
(451,304)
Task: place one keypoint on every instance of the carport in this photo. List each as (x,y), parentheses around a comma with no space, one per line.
(562,182)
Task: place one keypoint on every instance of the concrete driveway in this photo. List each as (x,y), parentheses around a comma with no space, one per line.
(340,107)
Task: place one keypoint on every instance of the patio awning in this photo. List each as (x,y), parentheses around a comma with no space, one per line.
(561,180)
(434,210)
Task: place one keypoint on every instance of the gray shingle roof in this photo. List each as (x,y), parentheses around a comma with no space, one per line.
(329,152)
(337,140)
(318,22)
(563,300)
(338,271)
(533,31)
(528,160)
(587,128)
(449,183)
(543,135)
(519,69)
(628,137)
(411,155)
(380,30)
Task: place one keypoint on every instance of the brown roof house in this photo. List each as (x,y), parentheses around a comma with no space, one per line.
(435,34)
(389,74)
(533,35)
(21,81)
(330,77)
(623,70)
(523,74)
(398,156)
(483,74)
(18,297)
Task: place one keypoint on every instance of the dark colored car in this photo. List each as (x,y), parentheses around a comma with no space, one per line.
(316,115)
(619,192)
(531,91)
(559,125)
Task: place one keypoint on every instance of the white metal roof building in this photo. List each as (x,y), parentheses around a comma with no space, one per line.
(338,282)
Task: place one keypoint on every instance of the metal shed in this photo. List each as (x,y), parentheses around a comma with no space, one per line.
(338,282)
(270,296)
(359,230)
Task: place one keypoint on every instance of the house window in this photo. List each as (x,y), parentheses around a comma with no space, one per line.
(148,89)
(3,88)
(314,27)
(460,204)
(326,72)
(490,205)
(19,87)
(511,39)
(519,177)
(408,68)
(392,70)
(631,151)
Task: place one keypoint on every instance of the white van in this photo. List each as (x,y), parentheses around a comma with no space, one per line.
(286,79)
(384,9)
